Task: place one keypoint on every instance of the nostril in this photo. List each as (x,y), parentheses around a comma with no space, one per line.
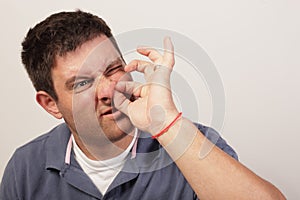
(106,101)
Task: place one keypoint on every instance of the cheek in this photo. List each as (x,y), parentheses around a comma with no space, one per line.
(84,111)
(84,100)
(83,104)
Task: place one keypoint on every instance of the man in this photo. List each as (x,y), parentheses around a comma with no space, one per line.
(121,139)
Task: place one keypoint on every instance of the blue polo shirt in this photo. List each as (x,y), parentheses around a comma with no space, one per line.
(38,171)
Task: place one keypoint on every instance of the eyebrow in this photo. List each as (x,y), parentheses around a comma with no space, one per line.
(113,63)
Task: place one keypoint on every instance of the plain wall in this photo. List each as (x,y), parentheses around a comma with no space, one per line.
(254,45)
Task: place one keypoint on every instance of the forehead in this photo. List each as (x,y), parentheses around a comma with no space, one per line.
(90,56)
(100,57)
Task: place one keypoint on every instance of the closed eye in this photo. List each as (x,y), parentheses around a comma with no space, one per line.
(113,70)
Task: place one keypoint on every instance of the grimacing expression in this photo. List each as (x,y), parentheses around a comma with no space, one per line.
(84,81)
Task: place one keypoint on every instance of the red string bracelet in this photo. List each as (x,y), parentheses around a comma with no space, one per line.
(168,127)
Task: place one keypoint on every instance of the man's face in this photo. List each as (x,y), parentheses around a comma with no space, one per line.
(84,81)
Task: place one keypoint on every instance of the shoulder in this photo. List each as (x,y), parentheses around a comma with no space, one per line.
(36,151)
(38,144)
(33,154)
(214,137)
(27,167)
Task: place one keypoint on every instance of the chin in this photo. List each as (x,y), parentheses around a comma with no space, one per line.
(117,129)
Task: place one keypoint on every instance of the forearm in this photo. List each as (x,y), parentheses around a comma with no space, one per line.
(214,176)
(217,175)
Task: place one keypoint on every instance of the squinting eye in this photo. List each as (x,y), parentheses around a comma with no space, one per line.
(82,85)
(114,70)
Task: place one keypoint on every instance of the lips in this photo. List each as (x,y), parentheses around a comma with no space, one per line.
(107,112)
(111,113)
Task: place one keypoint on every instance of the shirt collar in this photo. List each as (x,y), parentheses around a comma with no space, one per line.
(56,146)
(57,143)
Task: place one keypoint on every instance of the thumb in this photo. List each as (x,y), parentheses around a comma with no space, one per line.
(121,102)
(124,91)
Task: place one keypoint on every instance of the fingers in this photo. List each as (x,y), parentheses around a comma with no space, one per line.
(148,69)
(151,53)
(129,87)
(166,59)
(121,100)
(168,52)
(141,66)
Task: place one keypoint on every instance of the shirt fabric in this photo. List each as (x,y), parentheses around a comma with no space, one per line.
(38,171)
(102,172)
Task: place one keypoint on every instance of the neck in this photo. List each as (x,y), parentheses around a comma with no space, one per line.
(103,150)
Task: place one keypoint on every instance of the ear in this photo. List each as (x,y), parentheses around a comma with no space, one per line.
(48,103)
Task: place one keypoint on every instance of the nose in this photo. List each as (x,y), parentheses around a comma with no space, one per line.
(105,90)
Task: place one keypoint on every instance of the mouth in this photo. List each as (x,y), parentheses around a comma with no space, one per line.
(107,112)
(110,113)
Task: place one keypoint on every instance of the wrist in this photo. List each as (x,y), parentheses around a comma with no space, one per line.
(170,121)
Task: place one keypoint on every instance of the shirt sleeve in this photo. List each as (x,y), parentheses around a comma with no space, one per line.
(8,188)
(213,136)
(216,139)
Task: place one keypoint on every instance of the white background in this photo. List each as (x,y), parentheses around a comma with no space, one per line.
(254,44)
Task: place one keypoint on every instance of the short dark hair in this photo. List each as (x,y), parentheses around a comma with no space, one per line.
(57,35)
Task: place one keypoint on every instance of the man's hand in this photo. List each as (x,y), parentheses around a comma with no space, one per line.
(153,107)
(217,175)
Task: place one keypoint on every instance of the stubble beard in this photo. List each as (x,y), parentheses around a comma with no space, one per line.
(116,129)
